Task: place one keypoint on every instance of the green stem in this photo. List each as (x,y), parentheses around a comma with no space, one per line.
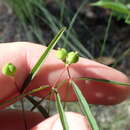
(106,35)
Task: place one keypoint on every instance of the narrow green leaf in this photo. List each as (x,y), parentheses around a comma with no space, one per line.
(85,107)
(74,18)
(24,95)
(115,6)
(61,112)
(54,24)
(105,81)
(42,59)
(49,95)
(106,35)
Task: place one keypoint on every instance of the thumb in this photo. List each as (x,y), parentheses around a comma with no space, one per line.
(75,121)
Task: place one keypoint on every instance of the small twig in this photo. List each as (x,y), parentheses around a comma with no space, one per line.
(26,82)
(67,67)
(23,114)
(39,107)
(22,105)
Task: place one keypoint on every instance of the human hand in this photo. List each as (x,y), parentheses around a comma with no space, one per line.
(24,56)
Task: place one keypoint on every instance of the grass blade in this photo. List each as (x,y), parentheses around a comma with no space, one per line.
(105,81)
(61,112)
(45,54)
(41,60)
(74,42)
(23,95)
(74,18)
(85,107)
(103,48)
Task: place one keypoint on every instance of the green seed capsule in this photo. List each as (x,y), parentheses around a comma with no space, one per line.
(72,57)
(61,54)
(9,69)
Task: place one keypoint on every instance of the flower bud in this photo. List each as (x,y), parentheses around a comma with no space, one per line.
(61,54)
(72,57)
(9,69)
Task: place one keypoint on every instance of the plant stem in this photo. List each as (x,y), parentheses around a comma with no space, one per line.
(23,114)
(67,67)
(40,108)
(106,35)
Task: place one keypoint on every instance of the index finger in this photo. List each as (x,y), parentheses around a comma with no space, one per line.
(25,55)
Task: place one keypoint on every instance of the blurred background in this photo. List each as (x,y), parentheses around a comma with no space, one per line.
(96,33)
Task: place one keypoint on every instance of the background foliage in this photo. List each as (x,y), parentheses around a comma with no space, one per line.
(89,30)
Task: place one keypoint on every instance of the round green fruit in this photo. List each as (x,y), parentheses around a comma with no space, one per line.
(9,69)
(72,57)
(61,54)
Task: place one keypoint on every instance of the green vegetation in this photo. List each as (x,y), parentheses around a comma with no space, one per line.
(37,19)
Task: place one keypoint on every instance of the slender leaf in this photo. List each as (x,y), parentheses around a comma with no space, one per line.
(61,112)
(39,102)
(54,24)
(74,18)
(23,95)
(105,81)
(85,107)
(118,7)
(103,48)
(42,59)
(115,6)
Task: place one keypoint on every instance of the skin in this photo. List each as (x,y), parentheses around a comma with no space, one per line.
(13,120)
(75,122)
(24,56)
